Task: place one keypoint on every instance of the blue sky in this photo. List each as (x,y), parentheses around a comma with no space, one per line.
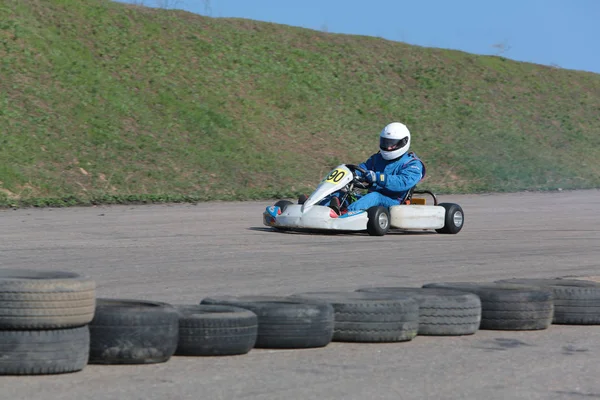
(564,33)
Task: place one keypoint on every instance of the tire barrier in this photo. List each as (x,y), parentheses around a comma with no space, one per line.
(51,322)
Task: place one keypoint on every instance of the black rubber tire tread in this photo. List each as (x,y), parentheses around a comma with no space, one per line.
(38,352)
(370,317)
(366,307)
(285,323)
(376,332)
(283,204)
(524,314)
(126,331)
(517,305)
(32,299)
(442,312)
(508,306)
(215,330)
(517,323)
(545,282)
(576,302)
(524,318)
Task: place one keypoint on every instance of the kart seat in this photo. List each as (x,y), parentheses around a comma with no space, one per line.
(409,194)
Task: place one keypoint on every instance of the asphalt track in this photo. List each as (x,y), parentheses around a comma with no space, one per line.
(182,253)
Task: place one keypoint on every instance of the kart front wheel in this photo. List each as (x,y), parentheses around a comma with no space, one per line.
(454,219)
(379,221)
(283,204)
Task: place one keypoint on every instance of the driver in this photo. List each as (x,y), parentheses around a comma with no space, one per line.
(392,171)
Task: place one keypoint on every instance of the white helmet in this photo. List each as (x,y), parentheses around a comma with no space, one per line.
(394,141)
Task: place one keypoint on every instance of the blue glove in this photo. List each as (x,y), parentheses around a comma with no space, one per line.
(371,177)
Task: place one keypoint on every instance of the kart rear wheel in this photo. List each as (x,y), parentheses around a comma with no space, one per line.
(454,219)
(379,221)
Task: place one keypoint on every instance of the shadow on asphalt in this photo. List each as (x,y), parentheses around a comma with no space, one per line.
(330,233)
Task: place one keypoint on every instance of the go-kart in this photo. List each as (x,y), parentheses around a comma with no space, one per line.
(412,213)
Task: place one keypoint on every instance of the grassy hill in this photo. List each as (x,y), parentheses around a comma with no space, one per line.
(107,102)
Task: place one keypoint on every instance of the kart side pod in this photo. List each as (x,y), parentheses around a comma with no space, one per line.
(417,217)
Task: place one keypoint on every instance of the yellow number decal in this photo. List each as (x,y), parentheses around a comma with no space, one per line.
(335,176)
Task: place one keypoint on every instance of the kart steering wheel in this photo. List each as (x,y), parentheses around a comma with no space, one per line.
(359,182)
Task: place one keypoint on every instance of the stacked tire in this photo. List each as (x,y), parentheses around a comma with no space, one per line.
(126,331)
(576,302)
(370,317)
(215,330)
(442,312)
(506,306)
(285,323)
(44,317)
(129,331)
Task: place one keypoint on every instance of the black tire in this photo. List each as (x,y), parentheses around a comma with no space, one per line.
(133,332)
(40,352)
(283,204)
(576,302)
(302,199)
(379,221)
(454,219)
(285,323)
(31,299)
(442,312)
(508,307)
(207,330)
(370,317)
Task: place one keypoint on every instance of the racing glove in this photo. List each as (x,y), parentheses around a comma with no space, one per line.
(370,176)
(375,178)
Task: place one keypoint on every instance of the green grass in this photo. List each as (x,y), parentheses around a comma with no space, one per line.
(103,102)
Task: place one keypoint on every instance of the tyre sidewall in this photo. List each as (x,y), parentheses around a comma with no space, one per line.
(373,227)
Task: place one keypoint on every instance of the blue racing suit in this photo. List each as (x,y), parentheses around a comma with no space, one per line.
(394,179)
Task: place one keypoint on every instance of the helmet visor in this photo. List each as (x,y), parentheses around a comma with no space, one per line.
(387,144)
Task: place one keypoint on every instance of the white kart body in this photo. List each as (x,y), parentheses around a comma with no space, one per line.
(312,216)
(417,217)
(320,217)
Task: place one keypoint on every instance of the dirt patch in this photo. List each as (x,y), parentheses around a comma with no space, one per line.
(9,194)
